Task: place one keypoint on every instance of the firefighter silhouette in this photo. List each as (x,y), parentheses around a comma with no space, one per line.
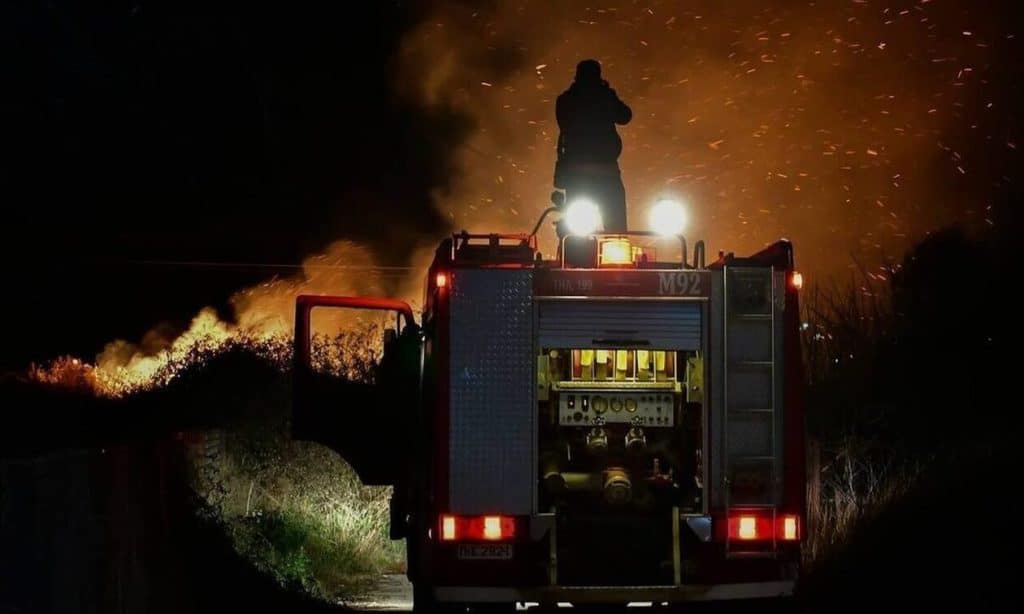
(589,146)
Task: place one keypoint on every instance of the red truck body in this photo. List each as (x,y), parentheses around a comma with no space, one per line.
(601,427)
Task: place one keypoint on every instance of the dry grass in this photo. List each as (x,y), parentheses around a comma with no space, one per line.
(294,508)
(298,511)
(848,336)
(857,482)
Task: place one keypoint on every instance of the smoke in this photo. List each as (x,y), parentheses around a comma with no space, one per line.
(852,128)
(344,268)
(392,224)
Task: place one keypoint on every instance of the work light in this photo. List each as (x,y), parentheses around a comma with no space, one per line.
(582,216)
(668,217)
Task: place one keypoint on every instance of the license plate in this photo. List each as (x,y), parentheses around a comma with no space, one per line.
(485,551)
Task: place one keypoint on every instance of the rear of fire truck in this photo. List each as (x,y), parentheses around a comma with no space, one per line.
(604,427)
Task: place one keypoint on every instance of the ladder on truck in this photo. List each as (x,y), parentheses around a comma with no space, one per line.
(750,418)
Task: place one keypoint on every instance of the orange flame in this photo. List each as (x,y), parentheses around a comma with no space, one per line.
(262,313)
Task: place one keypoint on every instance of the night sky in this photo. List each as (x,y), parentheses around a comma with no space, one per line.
(160,157)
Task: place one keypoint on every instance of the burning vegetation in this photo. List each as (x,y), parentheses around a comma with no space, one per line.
(295,511)
(845,126)
(122,369)
(262,323)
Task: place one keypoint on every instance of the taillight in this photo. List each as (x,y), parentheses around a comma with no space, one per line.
(790,528)
(750,527)
(755,526)
(747,528)
(477,528)
(492,528)
(796,280)
(448,532)
(441,280)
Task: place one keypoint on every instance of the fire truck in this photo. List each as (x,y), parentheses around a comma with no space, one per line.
(619,423)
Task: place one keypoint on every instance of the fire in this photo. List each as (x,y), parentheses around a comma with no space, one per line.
(119,376)
(121,369)
(819,125)
(262,322)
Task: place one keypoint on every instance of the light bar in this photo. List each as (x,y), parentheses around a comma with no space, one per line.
(477,528)
(615,252)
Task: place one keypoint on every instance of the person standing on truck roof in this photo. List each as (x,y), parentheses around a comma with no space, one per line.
(589,146)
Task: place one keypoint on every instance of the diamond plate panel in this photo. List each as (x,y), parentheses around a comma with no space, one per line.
(491,419)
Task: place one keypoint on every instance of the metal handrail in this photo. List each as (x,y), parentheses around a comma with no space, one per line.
(540,221)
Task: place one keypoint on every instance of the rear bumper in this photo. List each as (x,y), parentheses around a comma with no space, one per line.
(615,594)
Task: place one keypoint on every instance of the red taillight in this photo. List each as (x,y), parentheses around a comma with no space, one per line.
(790,528)
(477,528)
(796,280)
(441,280)
(757,526)
(747,528)
(750,527)
(493,528)
(448,528)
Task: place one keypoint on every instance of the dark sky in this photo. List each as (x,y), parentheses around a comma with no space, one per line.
(137,135)
(197,131)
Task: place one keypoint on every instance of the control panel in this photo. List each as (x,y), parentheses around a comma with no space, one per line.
(589,407)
